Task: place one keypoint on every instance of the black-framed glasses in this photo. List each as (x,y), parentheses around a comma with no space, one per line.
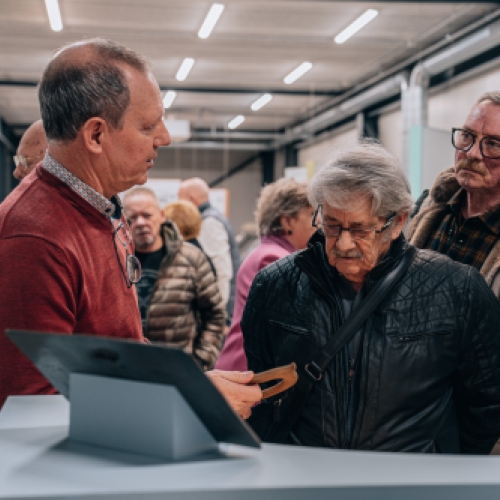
(132,272)
(463,140)
(357,233)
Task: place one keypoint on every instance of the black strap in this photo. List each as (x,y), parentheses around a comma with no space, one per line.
(315,368)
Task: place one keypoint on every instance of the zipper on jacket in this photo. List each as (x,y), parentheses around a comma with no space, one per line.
(336,306)
(277,410)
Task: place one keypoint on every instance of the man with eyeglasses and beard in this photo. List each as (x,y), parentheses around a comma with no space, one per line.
(70,264)
(397,349)
(461,216)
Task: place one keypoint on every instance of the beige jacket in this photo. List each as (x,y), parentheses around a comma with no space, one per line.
(430,215)
(186,308)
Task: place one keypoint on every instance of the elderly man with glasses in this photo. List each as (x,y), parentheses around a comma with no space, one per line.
(461,216)
(70,265)
(397,349)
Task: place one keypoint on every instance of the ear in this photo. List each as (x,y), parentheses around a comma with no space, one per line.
(94,131)
(398,225)
(286,222)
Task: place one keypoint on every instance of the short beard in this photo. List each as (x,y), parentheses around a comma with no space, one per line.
(144,243)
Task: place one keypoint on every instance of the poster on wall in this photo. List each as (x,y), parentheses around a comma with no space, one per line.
(166,191)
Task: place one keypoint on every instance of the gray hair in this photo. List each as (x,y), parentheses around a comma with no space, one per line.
(84,80)
(493,96)
(364,171)
(285,197)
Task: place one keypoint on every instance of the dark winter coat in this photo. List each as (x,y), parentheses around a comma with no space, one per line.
(429,373)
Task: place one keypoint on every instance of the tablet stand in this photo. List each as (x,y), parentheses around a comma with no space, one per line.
(138,417)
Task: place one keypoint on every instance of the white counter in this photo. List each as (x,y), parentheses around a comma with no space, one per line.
(37,461)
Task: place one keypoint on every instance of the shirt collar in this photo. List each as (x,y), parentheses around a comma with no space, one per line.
(491,218)
(109,208)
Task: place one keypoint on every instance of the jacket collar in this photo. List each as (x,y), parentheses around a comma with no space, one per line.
(280,240)
(172,238)
(204,206)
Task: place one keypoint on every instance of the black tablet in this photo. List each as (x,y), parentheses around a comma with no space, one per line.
(57,355)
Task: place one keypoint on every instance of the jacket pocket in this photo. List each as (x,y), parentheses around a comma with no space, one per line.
(299,330)
(414,337)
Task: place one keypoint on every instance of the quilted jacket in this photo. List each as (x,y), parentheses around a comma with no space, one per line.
(186,309)
(429,372)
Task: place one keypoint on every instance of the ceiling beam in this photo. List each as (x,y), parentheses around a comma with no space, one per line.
(408,1)
(207,90)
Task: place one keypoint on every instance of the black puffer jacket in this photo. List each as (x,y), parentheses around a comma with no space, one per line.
(429,375)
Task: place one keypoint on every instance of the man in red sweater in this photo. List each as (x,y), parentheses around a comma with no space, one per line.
(67,252)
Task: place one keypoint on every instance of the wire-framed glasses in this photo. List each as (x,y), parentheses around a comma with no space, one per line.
(463,140)
(357,233)
(132,271)
(26,161)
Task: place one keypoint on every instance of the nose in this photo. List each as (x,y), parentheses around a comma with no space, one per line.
(345,241)
(474,152)
(164,138)
(139,221)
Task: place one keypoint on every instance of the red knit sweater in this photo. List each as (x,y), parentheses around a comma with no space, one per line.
(59,273)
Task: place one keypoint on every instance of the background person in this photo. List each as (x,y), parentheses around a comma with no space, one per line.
(461,217)
(216,238)
(422,373)
(179,300)
(188,220)
(64,223)
(31,150)
(284,218)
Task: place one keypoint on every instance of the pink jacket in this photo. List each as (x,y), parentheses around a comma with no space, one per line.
(271,248)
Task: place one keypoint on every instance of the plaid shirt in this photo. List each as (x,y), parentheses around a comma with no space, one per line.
(466,240)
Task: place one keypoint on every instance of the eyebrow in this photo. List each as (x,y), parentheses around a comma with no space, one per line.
(328,218)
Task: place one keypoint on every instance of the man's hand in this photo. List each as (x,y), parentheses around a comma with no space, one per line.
(232,385)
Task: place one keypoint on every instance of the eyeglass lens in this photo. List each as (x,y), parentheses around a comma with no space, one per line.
(132,264)
(134,270)
(464,140)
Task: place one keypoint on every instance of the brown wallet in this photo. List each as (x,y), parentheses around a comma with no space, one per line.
(286,376)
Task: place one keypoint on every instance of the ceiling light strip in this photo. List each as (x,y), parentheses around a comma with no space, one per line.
(169,98)
(236,122)
(297,72)
(54,15)
(185,68)
(354,27)
(211,19)
(261,102)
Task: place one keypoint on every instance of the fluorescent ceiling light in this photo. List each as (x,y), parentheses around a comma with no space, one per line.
(54,14)
(209,22)
(169,98)
(185,68)
(236,121)
(261,102)
(354,27)
(297,72)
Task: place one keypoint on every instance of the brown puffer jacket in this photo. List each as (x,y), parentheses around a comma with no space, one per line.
(186,309)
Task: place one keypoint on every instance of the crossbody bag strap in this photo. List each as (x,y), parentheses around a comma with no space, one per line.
(315,368)
(344,334)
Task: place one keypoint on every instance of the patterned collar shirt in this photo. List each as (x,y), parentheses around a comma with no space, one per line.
(468,241)
(109,208)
